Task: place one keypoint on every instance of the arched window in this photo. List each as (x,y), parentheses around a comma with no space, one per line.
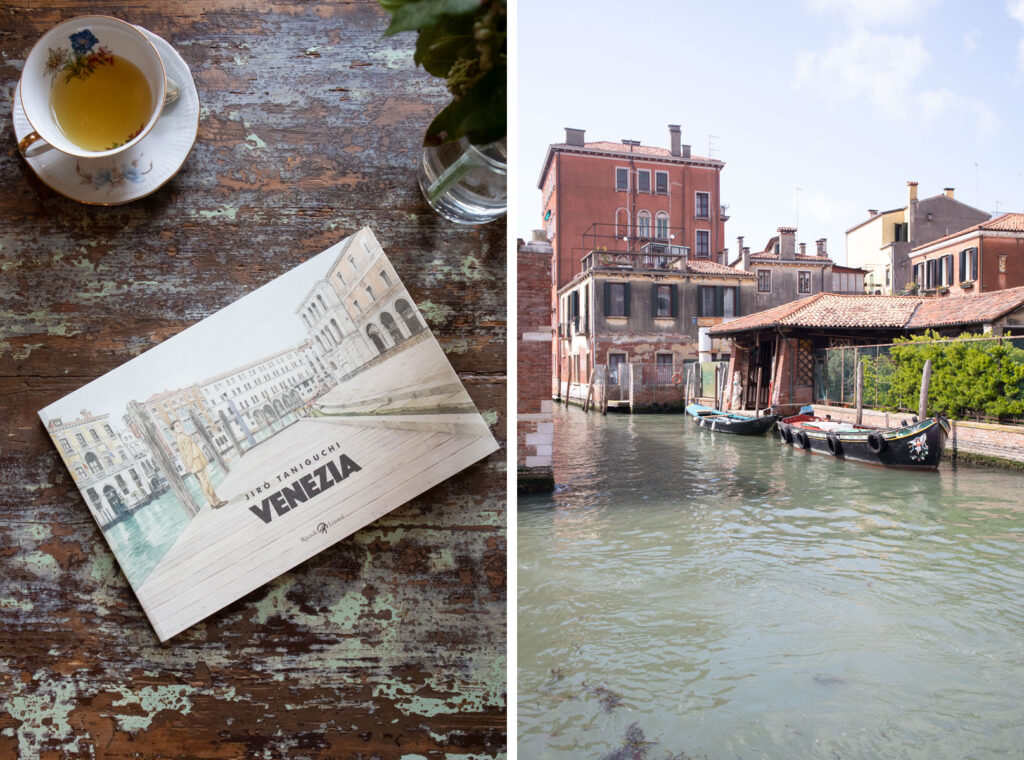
(405,311)
(320,298)
(621,223)
(661,225)
(94,463)
(392,327)
(643,224)
(114,500)
(374,335)
(337,330)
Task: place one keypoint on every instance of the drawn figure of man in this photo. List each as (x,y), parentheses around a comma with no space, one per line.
(195,461)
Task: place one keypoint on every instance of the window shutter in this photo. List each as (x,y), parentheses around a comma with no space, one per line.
(654,300)
(736,302)
(625,300)
(574,308)
(673,300)
(974,263)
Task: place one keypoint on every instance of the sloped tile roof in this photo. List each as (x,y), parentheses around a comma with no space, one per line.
(772,256)
(964,310)
(704,266)
(1011,222)
(639,150)
(833,310)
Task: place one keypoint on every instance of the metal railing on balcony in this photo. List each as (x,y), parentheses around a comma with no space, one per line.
(652,256)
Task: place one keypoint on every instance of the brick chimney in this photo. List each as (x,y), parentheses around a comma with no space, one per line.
(872,212)
(787,243)
(803,249)
(574,137)
(948,192)
(912,187)
(674,136)
(822,245)
(744,262)
(539,236)
(686,151)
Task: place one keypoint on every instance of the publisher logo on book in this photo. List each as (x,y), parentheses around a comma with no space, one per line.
(321,528)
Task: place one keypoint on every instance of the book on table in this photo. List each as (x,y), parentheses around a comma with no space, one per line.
(263,434)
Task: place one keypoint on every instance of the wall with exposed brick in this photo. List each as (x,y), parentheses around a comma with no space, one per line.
(535,425)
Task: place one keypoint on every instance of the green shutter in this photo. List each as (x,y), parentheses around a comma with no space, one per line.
(625,299)
(654,300)
(607,298)
(674,300)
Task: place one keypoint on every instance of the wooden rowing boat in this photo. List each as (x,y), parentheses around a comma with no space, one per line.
(728,422)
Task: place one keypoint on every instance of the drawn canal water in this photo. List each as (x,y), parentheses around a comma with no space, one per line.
(686,592)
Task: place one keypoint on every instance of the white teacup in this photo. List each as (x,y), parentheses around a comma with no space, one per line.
(73,51)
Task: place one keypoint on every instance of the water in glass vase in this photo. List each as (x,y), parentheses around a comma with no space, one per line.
(464,182)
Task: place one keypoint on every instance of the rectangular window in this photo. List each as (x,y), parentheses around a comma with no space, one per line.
(803,282)
(664,365)
(717,301)
(968,264)
(94,434)
(702,249)
(80,439)
(702,206)
(940,273)
(664,300)
(764,281)
(66,446)
(661,227)
(929,274)
(661,183)
(621,178)
(616,299)
(615,361)
(643,180)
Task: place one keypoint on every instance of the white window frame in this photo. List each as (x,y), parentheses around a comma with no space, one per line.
(615,179)
(658,217)
(639,185)
(696,206)
(628,225)
(696,244)
(807,272)
(644,222)
(667,184)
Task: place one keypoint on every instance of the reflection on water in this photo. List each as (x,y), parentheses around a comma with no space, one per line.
(734,597)
(142,539)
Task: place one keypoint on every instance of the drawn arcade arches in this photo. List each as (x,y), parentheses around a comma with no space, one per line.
(392,327)
(114,500)
(408,315)
(374,334)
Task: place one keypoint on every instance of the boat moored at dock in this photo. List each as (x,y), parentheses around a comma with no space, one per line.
(728,422)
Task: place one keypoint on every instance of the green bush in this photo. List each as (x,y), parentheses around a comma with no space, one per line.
(970,378)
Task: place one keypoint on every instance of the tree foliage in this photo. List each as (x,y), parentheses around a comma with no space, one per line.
(971,377)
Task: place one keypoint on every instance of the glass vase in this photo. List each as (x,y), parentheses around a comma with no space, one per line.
(465,183)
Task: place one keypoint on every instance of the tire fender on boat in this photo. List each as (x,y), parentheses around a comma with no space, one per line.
(786,433)
(835,446)
(877,443)
(802,440)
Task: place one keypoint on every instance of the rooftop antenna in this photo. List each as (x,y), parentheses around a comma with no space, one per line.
(976,199)
(710,138)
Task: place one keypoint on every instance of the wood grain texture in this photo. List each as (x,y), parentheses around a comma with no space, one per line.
(390,644)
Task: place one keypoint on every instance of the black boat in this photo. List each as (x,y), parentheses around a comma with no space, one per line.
(917,447)
(727,422)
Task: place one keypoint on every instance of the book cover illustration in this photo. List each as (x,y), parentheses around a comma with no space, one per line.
(263,434)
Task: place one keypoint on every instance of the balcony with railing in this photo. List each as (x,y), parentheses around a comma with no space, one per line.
(650,257)
(639,248)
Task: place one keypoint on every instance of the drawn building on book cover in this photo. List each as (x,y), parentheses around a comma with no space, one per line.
(263,434)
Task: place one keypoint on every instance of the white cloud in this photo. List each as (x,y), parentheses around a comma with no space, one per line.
(945,104)
(1016,10)
(879,67)
(971,40)
(866,12)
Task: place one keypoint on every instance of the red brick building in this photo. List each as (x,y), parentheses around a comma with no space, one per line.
(535,426)
(979,259)
(618,196)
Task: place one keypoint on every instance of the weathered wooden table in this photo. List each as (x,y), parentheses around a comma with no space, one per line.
(391,644)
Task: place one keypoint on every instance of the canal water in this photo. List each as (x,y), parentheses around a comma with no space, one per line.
(687,593)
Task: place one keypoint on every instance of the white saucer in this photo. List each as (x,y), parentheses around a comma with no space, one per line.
(141,170)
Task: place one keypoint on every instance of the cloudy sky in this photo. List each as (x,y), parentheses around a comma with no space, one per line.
(820,109)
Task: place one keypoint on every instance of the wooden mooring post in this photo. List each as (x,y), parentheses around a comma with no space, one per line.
(590,392)
(757,393)
(859,392)
(926,378)
(717,386)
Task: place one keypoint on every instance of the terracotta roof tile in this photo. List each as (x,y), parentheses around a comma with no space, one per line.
(704,266)
(833,310)
(639,150)
(1012,222)
(964,310)
(772,256)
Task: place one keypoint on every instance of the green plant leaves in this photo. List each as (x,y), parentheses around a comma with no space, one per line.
(464,42)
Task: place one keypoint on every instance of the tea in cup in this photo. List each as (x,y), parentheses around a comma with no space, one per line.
(92,86)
